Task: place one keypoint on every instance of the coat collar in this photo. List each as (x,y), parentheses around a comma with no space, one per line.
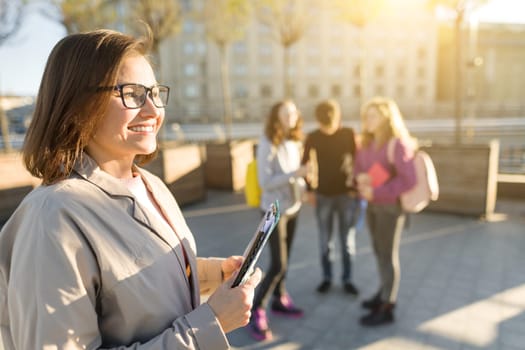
(87,168)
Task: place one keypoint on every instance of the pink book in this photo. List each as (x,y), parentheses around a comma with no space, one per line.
(378,174)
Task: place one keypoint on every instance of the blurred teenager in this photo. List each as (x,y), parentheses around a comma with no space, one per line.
(381,183)
(280,176)
(331,148)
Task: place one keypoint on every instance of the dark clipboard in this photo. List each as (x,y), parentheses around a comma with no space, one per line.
(257,243)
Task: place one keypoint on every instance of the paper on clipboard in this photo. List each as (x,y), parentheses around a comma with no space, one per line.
(257,243)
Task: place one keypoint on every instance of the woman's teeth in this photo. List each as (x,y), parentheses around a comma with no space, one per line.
(142,128)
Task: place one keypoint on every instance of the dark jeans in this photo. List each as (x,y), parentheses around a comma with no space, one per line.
(346,209)
(280,242)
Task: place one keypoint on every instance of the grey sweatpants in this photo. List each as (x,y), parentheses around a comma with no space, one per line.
(385,223)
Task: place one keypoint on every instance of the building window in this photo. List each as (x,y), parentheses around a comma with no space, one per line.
(240,69)
(240,91)
(336,71)
(190,69)
(337,91)
(421,72)
(380,71)
(313,91)
(357,71)
(266,70)
(400,91)
(239,47)
(191,90)
(312,71)
(188,48)
(186,5)
(357,91)
(193,110)
(266,91)
(421,53)
(188,26)
(201,48)
(380,90)
(292,90)
(421,91)
(401,71)
(265,50)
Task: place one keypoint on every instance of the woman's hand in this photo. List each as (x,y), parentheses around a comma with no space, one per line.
(232,306)
(230,265)
(364,186)
(311,198)
(302,171)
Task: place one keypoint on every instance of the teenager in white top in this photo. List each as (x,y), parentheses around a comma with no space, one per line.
(280,176)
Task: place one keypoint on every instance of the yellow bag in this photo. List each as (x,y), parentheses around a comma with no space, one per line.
(252,190)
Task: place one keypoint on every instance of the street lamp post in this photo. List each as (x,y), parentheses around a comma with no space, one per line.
(458,102)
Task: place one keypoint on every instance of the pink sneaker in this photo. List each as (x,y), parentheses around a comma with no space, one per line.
(284,306)
(258,325)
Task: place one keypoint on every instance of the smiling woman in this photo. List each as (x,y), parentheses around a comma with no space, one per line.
(106,234)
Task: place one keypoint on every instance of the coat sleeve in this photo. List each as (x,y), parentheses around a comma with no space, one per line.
(209,271)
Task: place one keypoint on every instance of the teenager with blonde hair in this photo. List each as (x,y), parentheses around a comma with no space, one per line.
(381,180)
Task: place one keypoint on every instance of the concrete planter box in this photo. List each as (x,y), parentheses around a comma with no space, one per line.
(180,166)
(468,177)
(15,183)
(226,164)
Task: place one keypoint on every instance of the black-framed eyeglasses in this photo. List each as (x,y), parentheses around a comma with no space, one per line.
(134,95)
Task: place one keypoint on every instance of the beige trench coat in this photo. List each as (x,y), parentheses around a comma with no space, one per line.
(84,266)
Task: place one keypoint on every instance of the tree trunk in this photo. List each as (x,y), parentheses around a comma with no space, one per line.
(227,106)
(362,69)
(287,88)
(458,102)
(5,129)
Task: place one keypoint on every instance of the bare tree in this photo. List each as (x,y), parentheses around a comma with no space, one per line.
(288,20)
(163,17)
(225,22)
(461,8)
(82,15)
(360,13)
(11,15)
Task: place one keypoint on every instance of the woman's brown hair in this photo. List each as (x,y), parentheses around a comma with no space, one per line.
(274,129)
(69,105)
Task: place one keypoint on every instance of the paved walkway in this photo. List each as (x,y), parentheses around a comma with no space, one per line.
(462,284)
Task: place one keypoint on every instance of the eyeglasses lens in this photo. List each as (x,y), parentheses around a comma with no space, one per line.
(135,95)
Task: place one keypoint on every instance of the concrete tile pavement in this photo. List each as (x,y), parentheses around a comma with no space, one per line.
(462,284)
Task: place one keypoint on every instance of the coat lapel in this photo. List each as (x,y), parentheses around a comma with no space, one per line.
(88,169)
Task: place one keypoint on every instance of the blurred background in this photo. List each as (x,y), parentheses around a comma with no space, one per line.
(456,67)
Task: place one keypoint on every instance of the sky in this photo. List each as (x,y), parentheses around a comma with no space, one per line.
(23,57)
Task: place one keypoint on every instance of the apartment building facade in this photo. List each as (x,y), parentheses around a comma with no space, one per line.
(396,53)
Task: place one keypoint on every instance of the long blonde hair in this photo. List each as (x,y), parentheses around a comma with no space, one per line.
(393,125)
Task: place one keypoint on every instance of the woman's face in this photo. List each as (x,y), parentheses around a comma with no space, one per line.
(124,133)
(288,115)
(373,120)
